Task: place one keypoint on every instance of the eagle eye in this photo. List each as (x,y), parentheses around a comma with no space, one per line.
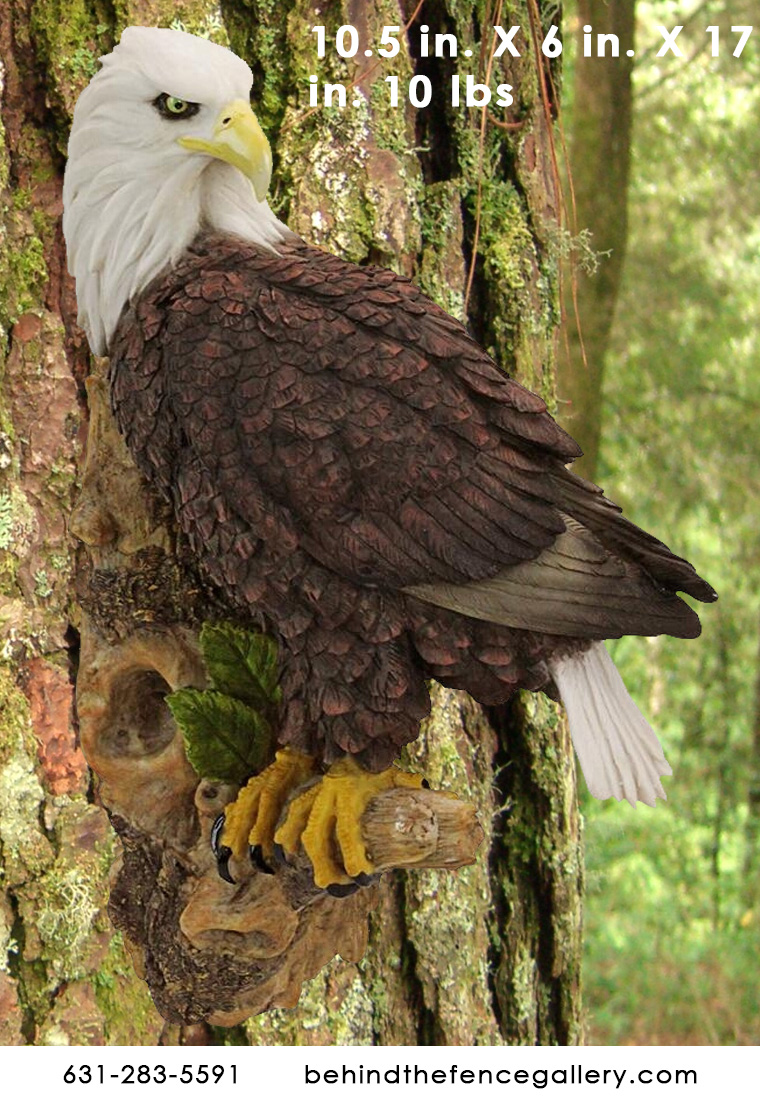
(175,108)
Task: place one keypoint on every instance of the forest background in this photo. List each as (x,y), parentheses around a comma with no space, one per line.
(663,280)
(673,904)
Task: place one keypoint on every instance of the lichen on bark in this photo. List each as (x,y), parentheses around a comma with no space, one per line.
(56,944)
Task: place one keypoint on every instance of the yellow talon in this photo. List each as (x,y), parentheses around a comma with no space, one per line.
(252,818)
(288,834)
(326,820)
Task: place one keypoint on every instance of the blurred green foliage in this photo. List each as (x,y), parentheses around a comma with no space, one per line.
(673,916)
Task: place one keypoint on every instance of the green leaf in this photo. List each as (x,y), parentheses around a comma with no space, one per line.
(242,664)
(224,738)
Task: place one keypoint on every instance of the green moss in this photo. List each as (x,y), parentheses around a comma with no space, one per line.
(44,223)
(130,1015)
(508,253)
(505,239)
(320,184)
(61,479)
(514,303)
(352,1026)
(69,36)
(42,588)
(69,902)
(21,199)
(441,273)
(59,885)
(336,171)
(23,273)
(444,908)
(6,521)
(18,524)
(258,34)
(346,1020)
(63,929)
(4,161)
(25,848)
(202,19)
(20,797)
(8,941)
(386,121)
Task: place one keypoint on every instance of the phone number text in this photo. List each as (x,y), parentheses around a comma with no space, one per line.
(150,1075)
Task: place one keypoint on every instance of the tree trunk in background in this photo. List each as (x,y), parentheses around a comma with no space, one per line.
(599,165)
(751,867)
(490,954)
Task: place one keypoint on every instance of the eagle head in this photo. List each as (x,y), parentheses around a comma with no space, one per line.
(164,143)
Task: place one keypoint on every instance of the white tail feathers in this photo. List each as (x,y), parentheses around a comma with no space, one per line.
(619,753)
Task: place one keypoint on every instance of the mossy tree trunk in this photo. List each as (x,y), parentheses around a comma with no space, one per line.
(487,955)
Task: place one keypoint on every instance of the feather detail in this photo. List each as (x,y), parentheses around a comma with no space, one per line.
(619,753)
(574,588)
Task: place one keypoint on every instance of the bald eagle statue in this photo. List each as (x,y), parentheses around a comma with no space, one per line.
(349,467)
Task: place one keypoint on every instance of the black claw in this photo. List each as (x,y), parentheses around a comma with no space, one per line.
(223,864)
(425,783)
(342,890)
(363,879)
(216,831)
(221,852)
(279,856)
(258,861)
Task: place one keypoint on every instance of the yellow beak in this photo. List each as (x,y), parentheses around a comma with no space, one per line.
(238,139)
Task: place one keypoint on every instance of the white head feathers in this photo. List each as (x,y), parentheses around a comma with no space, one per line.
(134,199)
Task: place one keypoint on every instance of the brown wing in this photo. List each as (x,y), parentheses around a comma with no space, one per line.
(337,410)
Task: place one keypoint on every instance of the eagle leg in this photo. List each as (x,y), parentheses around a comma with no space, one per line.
(326,820)
(248,824)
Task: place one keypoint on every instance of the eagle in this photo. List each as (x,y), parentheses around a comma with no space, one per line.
(349,467)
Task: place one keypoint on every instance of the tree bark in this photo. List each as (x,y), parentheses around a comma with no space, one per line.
(489,954)
(599,167)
